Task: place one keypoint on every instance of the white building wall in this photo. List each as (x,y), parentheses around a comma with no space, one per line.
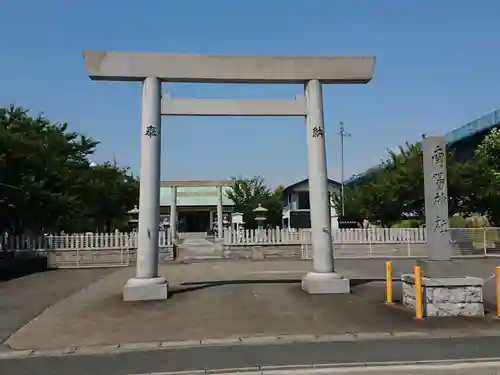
(334,219)
(293,201)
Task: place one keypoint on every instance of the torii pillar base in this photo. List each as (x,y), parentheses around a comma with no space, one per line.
(325,283)
(150,289)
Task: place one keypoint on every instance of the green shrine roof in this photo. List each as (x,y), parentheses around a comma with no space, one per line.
(195,196)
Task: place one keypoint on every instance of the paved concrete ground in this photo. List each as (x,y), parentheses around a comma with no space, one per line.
(215,358)
(24,298)
(233,299)
(199,248)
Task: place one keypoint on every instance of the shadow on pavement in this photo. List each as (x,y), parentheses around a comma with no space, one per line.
(13,266)
(193,286)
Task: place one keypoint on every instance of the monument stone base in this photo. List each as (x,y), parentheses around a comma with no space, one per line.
(145,289)
(446,296)
(325,283)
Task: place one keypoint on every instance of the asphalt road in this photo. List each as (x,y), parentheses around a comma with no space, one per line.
(137,362)
(464,368)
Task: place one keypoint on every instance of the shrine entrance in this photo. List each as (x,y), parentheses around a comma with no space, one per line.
(153,69)
(194,221)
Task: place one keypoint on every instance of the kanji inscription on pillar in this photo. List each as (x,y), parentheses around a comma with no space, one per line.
(438,156)
(318,132)
(436,198)
(151,131)
(440,225)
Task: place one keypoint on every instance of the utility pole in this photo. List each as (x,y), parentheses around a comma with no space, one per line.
(342,135)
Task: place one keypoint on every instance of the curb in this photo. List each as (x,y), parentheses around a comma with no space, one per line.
(242,341)
(343,368)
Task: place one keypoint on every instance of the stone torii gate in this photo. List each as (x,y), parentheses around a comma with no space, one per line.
(153,69)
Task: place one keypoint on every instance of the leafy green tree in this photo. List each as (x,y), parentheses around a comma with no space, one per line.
(486,173)
(113,192)
(355,204)
(381,198)
(394,191)
(407,184)
(248,193)
(48,183)
(387,192)
(462,194)
(274,203)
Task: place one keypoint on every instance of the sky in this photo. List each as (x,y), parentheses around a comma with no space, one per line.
(436,69)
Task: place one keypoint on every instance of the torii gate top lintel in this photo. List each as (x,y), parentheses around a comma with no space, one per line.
(130,66)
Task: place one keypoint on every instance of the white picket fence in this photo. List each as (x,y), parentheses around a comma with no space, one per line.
(372,242)
(406,243)
(249,237)
(119,249)
(85,250)
(80,241)
(278,236)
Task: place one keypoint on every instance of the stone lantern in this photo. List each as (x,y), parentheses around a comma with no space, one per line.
(164,224)
(226,222)
(260,216)
(133,217)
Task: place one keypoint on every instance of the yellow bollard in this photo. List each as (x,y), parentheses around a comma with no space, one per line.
(418,293)
(388,282)
(497,272)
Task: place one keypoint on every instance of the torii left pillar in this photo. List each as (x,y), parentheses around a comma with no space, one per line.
(147,285)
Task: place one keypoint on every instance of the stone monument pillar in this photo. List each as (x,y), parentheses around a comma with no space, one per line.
(436,204)
(323,280)
(447,291)
(147,285)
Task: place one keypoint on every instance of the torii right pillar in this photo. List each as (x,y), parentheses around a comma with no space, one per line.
(323,279)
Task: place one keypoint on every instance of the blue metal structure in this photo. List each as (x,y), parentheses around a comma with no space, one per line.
(462,140)
(474,128)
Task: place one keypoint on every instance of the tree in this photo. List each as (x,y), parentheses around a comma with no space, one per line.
(394,190)
(387,192)
(486,173)
(461,182)
(248,193)
(113,193)
(355,206)
(274,204)
(406,165)
(48,183)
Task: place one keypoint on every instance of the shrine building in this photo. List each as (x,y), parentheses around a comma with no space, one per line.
(197,203)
